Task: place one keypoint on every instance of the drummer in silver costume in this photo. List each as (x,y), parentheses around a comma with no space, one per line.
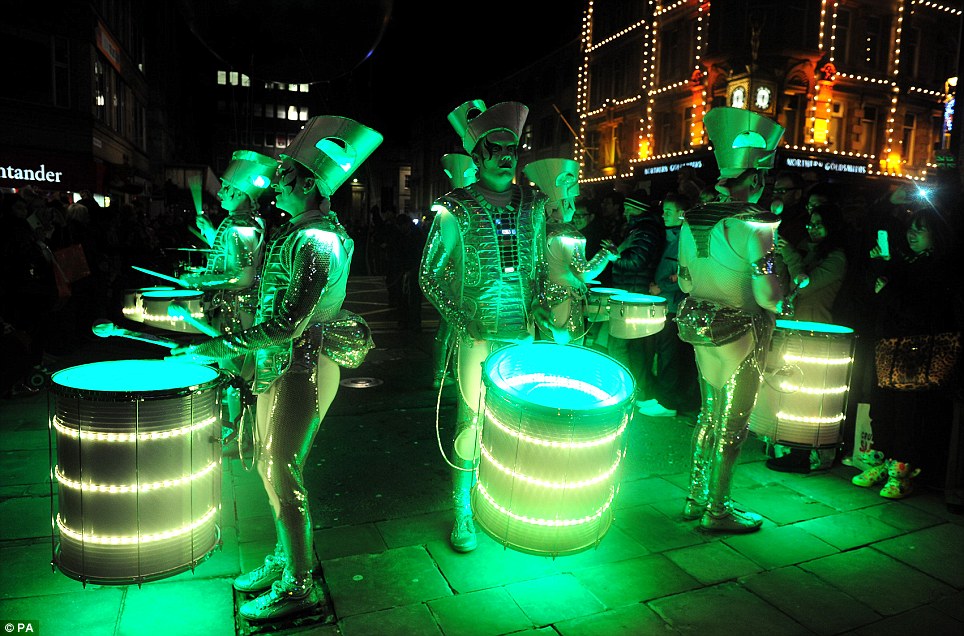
(233,269)
(300,338)
(727,266)
(237,247)
(482,266)
(564,293)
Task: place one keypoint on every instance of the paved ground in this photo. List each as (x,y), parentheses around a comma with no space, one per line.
(831,558)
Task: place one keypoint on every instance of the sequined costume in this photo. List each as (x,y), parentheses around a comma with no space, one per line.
(722,311)
(232,271)
(300,339)
(567,271)
(482,263)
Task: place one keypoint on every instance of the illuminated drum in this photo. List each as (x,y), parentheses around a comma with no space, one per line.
(156,304)
(636,315)
(597,303)
(133,308)
(138,468)
(552,443)
(803,399)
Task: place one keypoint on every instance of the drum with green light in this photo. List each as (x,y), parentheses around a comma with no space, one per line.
(552,444)
(138,468)
(806,383)
(156,304)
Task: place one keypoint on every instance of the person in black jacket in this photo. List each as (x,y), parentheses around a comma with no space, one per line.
(640,248)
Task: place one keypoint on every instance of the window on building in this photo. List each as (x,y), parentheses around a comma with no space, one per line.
(222,78)
(281,111)
(292,113)
(280,140)
(909,46)
(873,43)
(525,141)
(303,88)
(257,109)
(303,113)
(907,137)
(840,40)
(866,139)
(293,88)
(675,51)
(233,78)
(245,80)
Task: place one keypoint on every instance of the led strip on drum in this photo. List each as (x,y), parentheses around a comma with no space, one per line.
(130,437)
(789,417)
(555,485)
(547,522)
(170,319)
(555,380)
(491,418)
(136,539)
(790,357)
(67,482)
(796,388)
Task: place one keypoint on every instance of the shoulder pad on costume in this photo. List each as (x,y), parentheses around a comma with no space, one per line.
(453,203)
(567,230)
(758,215)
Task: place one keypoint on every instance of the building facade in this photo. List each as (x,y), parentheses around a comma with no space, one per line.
(863,87)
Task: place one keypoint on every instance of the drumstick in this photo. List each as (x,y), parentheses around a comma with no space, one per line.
(106,329)
(180,311)
(159,275)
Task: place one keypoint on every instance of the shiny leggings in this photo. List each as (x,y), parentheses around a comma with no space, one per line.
(289,416)
(721,428)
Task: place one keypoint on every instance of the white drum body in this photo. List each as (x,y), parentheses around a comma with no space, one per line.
(138,468)
(551,446)
(156,304)
(597,303)
(636,315)
(133,308)
(803,399)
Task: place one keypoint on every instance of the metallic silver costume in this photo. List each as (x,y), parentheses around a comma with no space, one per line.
(567,271)
(300,336)
(724,310)
(491,275)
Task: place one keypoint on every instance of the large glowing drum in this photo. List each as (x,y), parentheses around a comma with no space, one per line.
(803,399)
(133,308)
(597,302)
(156,304)
(138,468)
(552,443)
(636,315)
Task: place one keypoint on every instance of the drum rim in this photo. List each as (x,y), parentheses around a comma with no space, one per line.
(618,405)
(839,330)
(185,294)
(658,300)
(96,395)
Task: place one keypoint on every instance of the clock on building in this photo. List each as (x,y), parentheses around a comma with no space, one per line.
(738,97)
(762,97)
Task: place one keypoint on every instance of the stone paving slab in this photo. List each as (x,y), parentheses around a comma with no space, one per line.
(712,563)
(848,530)
(646,491)
(780,504)
(832,491)
(489,565)
(720,609)
(810,601)
(555,598)
(480,613)
(630,620)
(331,543)
(21,467)
(27,572)
(921,620)
(416,529)
(371,582)
(937,551)
(904,518)
(90,612)
(657,532)
(183,608)
(884,584)
(616,545)
(952,605)
(408,620)
(780,546)
(635,580)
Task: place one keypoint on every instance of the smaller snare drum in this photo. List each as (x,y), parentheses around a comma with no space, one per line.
(157,302)
(636,315)
(597,303)
(133,308)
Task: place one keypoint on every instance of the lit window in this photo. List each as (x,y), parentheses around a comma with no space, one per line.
(222,78)
(245,80)
(233,78)
(281,112)
(256,109)
(303,114)
(293,88)
(303,88)
(280,140)
(293,113)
